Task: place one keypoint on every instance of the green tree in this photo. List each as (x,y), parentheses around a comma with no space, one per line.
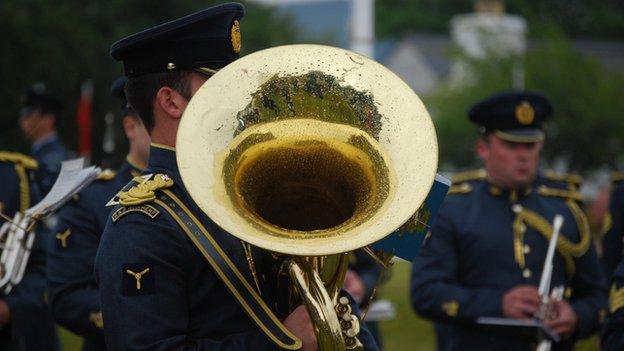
(586,18)
(62,43)
(587,128)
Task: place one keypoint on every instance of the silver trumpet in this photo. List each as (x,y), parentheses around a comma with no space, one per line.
(17,235)
(545,294)
(16,241)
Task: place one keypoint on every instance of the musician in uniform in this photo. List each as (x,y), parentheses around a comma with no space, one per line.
(73,292)
(25,320)
(162,286)
(613,332)
(613,240)
(361,281)
(487,246)
(38,120)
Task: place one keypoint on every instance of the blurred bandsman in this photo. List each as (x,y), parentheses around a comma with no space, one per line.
(164,287)
(613,240)
(25,320)
(361,281)
(74,295)
(38,119)
(613,333)
(488,244)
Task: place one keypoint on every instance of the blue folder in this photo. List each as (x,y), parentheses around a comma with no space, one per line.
(405,241)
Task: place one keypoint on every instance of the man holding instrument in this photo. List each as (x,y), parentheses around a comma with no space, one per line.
(73,294)
(26,323)
(160,288)
(487,246)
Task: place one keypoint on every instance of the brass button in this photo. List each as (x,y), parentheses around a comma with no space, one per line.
(526,273)
(527,249)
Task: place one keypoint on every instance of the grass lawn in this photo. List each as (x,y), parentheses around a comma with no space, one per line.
(405,332)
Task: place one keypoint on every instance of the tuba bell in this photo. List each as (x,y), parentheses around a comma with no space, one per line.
(309,152)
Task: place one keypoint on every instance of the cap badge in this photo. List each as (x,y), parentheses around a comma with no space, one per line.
(525,114)
(235,36)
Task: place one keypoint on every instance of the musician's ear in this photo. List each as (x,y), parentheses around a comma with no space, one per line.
(170,102)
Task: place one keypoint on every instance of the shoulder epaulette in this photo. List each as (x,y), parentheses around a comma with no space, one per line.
(15,157)
(575,179)
(462,188)
(466,176)
(566,194)
(106,174)
(144,191)
(617,177)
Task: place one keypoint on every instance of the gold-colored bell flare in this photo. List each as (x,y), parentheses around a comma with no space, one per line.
(316,133)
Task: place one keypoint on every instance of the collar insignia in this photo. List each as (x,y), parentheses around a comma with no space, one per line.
(62,237)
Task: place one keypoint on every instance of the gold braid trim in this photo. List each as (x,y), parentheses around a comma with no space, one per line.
(145,190)
(518,229)
(566,248)
(566,194)
(582,223)
(616,298)
(15,157)
(573,179)
(469,175)
(22,163)
(607,223)
(24,187)
(463,188)
(617,177)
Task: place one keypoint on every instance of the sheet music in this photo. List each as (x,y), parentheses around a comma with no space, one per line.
(519,323)
(72,178)
(380,310)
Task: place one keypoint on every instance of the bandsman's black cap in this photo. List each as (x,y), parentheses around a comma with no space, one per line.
(39,101)
(205,41)
(513,116)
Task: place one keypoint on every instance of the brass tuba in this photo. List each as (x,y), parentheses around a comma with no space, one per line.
(312,152)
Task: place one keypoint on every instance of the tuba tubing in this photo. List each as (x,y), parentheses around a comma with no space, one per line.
(311,152)
(319,304)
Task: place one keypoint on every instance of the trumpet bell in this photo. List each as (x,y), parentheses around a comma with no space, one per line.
(307,150)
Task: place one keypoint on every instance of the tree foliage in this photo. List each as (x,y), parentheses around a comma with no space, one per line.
(588,18)
(63,43)
(586,130)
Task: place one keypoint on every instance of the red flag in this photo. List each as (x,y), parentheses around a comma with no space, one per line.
(83,119)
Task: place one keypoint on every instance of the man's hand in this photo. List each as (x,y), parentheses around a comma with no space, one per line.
(521,301)
(564,321)
(354,286)
(299,323)
(5,314)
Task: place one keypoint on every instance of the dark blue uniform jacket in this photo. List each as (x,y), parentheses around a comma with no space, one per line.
(612,242)
(485,241)
(180,303)
(613,333)
(73,292)
(31,326)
